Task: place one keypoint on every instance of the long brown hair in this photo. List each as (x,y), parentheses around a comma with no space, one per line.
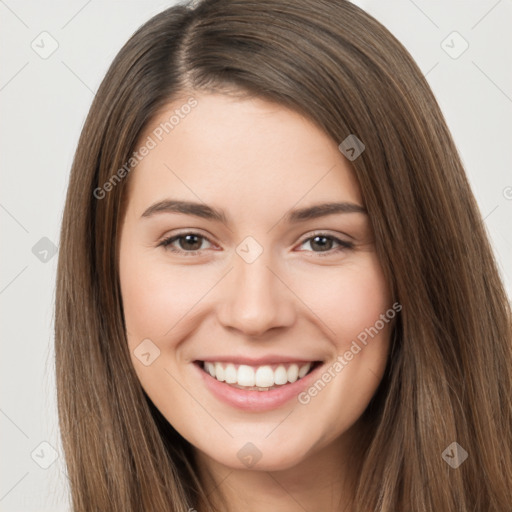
(449,374)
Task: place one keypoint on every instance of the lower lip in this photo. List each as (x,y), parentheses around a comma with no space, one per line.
(256,401)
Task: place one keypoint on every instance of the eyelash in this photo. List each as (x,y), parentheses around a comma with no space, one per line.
(343,245)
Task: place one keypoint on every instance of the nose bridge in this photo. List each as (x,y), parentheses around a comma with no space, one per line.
(256,299)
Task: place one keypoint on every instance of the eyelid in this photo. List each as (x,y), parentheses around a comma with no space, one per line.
(166,240)
(343,245)
(326,233)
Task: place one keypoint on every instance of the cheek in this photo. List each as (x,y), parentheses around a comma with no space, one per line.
(144,298)
(355,298)
(348,299)
(159,298)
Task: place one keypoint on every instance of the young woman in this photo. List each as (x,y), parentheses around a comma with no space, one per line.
(275,289)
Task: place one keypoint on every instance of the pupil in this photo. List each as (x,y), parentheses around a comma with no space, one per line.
(322,244)
(189,240)
(318,240)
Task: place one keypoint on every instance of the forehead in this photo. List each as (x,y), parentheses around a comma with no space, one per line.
(244,154)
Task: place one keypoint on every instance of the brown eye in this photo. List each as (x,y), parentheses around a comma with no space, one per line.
(188,243)
(323,243)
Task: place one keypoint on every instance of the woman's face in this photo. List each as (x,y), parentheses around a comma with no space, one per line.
(255,278)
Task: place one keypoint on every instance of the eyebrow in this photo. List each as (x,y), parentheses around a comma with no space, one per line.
(207,212)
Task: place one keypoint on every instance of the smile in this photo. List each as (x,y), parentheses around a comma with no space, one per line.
(257,378)
(257,388)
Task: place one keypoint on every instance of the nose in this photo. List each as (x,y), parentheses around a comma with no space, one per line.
(256,298)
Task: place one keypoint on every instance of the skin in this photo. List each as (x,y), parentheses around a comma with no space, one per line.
(257,161)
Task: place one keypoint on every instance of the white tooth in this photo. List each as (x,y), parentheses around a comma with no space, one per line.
(304,369)
(293,373)
(210,368)
(280,376)
(264,377)
(230,374)
(245,376)
(261,378)
(219,372)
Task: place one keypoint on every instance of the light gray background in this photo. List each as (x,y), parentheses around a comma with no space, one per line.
(43,106)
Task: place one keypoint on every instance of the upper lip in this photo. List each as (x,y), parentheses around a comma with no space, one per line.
(258,361)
